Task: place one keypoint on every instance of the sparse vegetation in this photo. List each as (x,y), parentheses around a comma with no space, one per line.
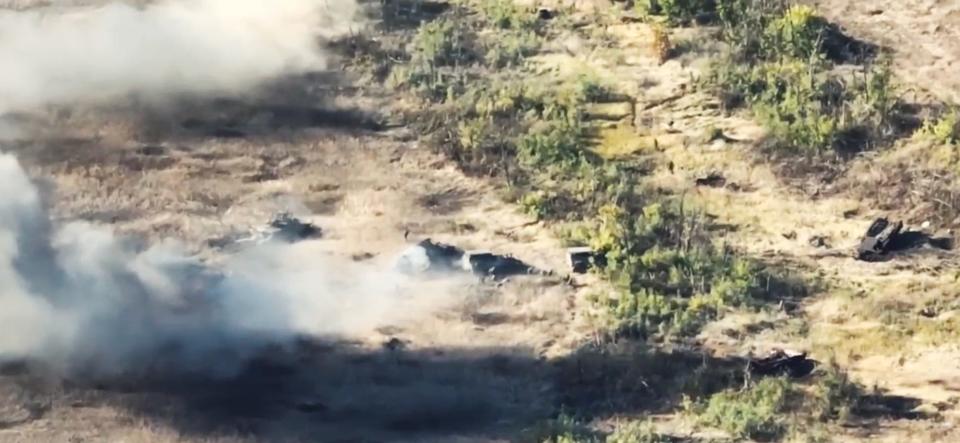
(777,65)
(661,45)
(566,429)
(755,412)
(670,274)
(671,277)
(944,130)
(677,11)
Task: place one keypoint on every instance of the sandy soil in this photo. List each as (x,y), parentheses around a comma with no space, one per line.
(474,361)
(924,35)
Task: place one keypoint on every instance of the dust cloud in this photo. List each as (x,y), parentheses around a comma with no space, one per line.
(76,297)
(160,50)
(83,301)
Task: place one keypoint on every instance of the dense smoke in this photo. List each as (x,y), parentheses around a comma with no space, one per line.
(80,299)
(83,300)
(57,56)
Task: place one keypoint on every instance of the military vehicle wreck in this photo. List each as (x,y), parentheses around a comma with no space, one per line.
(782,363)
(428,256)
(884,237)
(284,227)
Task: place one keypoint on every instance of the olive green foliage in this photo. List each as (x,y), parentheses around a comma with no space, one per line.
(798,33)
(671,277)
(511,48)
(554,144)
(835,396)
(567,429)
(516,32)
(777,66)
(755,412)
(437,46)
(563,429)
(508,14)
(943,130)
(440,43)
(676,11)
(636,432)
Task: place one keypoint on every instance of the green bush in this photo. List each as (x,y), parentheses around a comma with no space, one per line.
(754,413)
(441,42)
(563,429)
(636,432)
(806,110)
(835,396)
(508,14)
(437,45)
(944,130)
(676,11)
(554,144)
(540,204)
(670,277)
(509,49)
(776,66)
(796,34)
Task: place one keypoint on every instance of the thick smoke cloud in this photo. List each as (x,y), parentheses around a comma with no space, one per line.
(82,300)
(166,48)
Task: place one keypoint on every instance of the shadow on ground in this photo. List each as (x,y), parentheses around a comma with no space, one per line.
(350,393)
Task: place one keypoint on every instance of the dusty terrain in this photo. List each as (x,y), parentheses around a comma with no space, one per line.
(472,359)
(475,362)
(923,34)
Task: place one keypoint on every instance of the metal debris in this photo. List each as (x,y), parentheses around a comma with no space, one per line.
(486,264)
(714,180)
(819,241)
(780,362)
(288,228)
(884,237)
(283,227)
(428,255)
(581,259)
(876,242)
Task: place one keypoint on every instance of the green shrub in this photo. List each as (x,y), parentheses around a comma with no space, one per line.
(835,396)
(563,429)
(555,144)
(797,34)
(636,432)
(539,204)
(508,14)
(437,45)
(676,11)
(751,413)
(808,111)
(440,43)
(670,277)
(589,88)
(944,130)
(509,49)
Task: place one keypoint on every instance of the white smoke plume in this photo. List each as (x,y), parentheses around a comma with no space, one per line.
(96,54)
(78,298)
(84,301)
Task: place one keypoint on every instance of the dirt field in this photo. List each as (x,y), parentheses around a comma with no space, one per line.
(472,360)
(460,360)
(923,34)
